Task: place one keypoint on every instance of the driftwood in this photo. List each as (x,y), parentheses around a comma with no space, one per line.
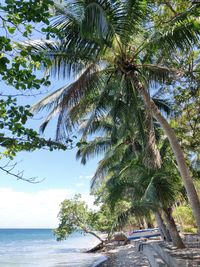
(118,239)
(96,248)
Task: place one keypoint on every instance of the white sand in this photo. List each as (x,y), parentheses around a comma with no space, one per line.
(126,256)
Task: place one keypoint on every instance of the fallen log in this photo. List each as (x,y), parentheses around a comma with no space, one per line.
(96,248)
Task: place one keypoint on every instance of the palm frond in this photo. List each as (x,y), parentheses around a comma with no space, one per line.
(50,116)
(138,208)
(60,55)
(162,104)
(166,188)
(98,111)
(155,74)
(50,101)
(104,20)
(137,13)
(67,11)
(65,98)
(64,93)
(102,125)
(86,82)
(93,148)
(112,156)
(181,35)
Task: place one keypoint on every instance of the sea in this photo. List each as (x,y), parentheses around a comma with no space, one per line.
(39,248)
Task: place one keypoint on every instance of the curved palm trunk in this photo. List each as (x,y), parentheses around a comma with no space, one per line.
(152,159)
(163,229)
(187,180)
(176,239)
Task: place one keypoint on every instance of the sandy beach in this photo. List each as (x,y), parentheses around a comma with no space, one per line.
(125,256)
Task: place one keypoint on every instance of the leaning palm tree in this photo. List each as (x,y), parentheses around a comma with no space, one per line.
(146,189)
(100,40)
(121,175)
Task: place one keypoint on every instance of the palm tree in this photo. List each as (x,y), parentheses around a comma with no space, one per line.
(146,189)
(121,175)
(100,40)
(163,229)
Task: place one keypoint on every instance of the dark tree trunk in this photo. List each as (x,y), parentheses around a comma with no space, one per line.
(96,248)
(163,229)
(176,239)
(142,223)
(95,235)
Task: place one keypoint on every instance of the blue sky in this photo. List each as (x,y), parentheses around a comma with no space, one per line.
(36,205)
(25,205)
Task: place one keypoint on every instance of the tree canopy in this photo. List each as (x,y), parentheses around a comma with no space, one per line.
(18,70)
(122,52)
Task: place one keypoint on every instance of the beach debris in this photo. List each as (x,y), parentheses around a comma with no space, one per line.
(120,239)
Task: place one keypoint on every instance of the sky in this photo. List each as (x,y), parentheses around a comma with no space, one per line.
(25,205)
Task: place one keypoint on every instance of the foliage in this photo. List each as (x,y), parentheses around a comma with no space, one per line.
(18,68)
(106,218)
(186,123)
(18,18)
(97,67)
(146,190)
(74,215)
(184,217)
(121,174)
(15,136)
(115,58)
(102,220)
(107,51)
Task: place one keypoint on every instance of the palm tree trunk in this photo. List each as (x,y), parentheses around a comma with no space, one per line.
(140,222)
(152,158)
(176,239)
(187,180)
(163,229)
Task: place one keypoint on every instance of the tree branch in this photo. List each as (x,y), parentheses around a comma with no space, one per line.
(170,7)
(7,168)
(92,233)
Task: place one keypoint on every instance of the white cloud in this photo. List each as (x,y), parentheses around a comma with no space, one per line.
(33,209)
(89,200)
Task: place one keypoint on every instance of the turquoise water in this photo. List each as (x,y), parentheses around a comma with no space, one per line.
(38,248)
